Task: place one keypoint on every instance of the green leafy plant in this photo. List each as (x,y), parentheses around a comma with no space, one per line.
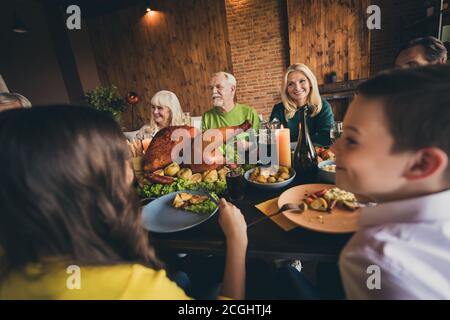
(107,99)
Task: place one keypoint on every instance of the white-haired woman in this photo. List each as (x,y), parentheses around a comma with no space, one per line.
(12,101)
(166,111)
(299,89)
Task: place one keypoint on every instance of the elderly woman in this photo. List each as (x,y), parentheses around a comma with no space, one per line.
(299,89)
(166,111)
(13,101)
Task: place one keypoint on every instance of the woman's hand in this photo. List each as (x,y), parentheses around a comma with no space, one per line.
(232,223)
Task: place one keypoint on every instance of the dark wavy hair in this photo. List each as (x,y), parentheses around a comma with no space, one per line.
(434,48)
(63,190)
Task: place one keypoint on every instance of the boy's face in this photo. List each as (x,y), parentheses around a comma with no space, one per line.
(365,164)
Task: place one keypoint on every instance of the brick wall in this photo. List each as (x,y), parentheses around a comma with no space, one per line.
(259,42)
(257,31)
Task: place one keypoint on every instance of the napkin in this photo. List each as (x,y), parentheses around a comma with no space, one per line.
(271,206)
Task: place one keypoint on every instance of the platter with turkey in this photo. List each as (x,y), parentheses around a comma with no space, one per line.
(163,176)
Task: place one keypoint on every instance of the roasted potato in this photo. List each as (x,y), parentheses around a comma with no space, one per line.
(178,201)
(198,199)
(185,196)
(284,176)
(319,204)
(222,173)
(280,179)
(254,174)
(184,173)
(283,170)
(261,179)
(196,177)
(272,179)
(210,176)
(172,169)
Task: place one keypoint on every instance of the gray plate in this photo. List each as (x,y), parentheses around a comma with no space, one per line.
(269,186)
(160,216)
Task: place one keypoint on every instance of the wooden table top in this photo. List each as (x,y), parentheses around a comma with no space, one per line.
(266,239)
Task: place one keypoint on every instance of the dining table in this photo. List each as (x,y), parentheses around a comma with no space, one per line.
(266,239)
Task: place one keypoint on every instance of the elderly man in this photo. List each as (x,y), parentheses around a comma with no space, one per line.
(225,111)
(421,52)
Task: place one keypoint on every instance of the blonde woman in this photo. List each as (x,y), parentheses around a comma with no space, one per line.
(166,111)
(299,89)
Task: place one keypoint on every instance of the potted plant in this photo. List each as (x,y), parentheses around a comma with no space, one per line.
(107,99)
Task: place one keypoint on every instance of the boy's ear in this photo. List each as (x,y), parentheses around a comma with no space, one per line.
(426,163)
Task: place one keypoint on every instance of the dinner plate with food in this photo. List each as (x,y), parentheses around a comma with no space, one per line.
(328,209)
(179,211)
(270,177)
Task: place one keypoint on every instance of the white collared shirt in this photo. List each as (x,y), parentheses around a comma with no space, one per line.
(409,242)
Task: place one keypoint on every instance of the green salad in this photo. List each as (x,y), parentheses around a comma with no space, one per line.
(158,190)
(206,207)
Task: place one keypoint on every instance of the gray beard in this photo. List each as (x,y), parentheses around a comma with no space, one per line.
(218,103)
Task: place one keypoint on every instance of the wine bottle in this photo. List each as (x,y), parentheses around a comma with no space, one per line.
(305,156)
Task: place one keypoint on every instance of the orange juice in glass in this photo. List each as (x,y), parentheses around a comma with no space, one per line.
(146,142)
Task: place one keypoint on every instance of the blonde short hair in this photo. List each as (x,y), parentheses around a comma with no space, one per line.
(168,99)
(314,100)
(13,100)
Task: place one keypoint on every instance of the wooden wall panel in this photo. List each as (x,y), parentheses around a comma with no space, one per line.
(176,48)
(330,35)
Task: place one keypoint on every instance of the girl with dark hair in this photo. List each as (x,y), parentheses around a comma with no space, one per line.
(67,209)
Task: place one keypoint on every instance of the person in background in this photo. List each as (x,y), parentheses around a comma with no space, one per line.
(13,101)
(300,88)
(421,52)
(225,111)
(395,150)
(66,202)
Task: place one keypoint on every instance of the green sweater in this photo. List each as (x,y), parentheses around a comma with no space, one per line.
(215,118)
(319,126)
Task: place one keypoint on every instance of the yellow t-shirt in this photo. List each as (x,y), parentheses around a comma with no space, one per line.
(132,281)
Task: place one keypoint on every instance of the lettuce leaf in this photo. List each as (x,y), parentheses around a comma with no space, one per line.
(158,190)
(206,207)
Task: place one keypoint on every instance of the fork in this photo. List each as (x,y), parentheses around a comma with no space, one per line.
(284,207)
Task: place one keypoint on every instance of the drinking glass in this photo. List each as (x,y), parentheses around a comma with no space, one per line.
(187,118)
(336,131)
(146,139)
(235,185)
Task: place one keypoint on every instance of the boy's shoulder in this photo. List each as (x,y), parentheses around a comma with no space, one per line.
(402,254)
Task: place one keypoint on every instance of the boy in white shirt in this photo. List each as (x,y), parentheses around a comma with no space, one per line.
(395,149)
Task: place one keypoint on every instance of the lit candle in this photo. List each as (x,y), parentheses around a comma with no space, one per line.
(283,137)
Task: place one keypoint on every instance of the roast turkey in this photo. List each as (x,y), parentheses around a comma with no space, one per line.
(159,153)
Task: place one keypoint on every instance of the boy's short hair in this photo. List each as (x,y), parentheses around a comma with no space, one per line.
(416,105)
(434,48)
